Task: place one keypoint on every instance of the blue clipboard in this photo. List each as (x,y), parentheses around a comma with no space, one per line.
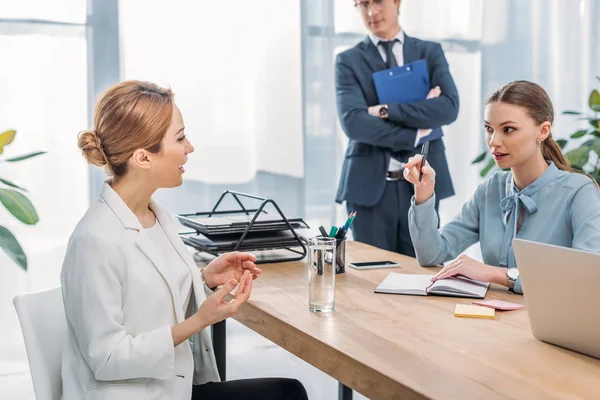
(405,84)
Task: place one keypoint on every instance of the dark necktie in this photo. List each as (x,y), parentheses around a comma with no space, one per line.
(389,55)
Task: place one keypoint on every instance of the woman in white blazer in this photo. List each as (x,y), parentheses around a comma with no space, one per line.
(135,302)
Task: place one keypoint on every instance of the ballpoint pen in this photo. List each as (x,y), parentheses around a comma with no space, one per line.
(424,152)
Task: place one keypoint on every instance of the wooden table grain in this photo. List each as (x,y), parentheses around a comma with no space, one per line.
(412,347)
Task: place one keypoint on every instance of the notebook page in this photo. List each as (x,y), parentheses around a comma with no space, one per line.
(460,287)
(397,283)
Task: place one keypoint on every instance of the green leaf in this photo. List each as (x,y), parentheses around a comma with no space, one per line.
(595,123)
(479,158)
(562,143)
(6,138)
(569,112)
(596,146)
(491,163)
(9,183)
(11,246)
(579,134)
(19,206)
(25,156)
(594,99)
(578,157)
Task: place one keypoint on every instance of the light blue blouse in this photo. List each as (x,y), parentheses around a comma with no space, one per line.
(561,208)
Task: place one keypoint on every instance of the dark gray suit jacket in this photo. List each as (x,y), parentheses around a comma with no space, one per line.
(372,140)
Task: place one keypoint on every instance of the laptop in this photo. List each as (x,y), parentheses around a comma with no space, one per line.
(561,289)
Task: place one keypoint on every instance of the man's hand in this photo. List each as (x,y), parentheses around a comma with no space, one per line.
(433,93)
(375,111)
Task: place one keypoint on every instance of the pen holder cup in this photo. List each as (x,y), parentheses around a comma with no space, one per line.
(340,256)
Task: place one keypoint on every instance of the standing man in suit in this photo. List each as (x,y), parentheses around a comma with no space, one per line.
(384,136)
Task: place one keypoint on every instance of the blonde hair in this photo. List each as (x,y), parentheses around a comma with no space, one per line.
(131,115)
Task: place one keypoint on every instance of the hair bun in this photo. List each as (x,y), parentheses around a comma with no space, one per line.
(91,147)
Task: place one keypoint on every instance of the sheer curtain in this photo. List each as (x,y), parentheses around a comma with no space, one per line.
(236,72)
(43,96)
(554,43)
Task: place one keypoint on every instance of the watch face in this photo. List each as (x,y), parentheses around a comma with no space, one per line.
(512,274)
(383,111)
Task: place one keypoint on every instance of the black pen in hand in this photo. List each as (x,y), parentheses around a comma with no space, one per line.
(424,152)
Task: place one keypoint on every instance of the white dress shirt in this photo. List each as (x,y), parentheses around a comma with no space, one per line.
(397,50)
(176,269)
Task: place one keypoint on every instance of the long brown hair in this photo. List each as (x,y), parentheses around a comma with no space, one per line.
(131,115)
(534,99)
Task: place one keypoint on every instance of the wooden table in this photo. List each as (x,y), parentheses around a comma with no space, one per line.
(412,347)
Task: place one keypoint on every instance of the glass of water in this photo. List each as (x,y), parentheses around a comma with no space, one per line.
(321,274)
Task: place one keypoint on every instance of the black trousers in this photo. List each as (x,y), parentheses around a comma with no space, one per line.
(386,224)
(250,389)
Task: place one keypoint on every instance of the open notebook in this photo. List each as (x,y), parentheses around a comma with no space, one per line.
(421,285)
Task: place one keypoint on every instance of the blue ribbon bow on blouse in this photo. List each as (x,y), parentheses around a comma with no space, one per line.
(511,211)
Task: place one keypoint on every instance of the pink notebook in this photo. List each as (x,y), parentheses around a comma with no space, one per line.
(500,305)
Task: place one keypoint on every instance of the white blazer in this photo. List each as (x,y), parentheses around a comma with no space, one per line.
(120,308)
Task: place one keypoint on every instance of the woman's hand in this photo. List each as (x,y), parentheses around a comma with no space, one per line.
(423,189)
(215,308)
(467,267)
(230,266)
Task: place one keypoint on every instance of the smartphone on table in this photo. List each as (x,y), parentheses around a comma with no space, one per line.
(374,264)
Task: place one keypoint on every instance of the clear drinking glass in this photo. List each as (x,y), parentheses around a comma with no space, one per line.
(321,274)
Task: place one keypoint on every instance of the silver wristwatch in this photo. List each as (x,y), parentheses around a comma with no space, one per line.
(512,274)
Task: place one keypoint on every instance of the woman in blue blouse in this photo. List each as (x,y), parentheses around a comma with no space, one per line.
(539,199)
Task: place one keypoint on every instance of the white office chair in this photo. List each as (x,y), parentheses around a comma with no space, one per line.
(44,326)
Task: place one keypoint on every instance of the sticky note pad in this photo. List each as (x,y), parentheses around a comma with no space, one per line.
(470,311)
(500,305)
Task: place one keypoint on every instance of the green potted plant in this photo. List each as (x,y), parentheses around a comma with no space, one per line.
(587,141)
(14,198)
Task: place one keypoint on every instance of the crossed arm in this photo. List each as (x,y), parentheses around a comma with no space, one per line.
(399,130)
